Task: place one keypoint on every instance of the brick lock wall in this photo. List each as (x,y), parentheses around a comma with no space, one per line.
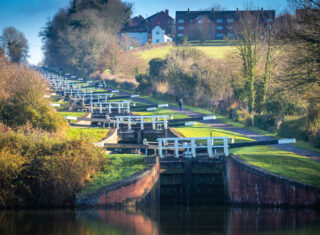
(248,184)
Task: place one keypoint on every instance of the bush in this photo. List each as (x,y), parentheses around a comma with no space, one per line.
(294,127)
(37,169)
(22,102)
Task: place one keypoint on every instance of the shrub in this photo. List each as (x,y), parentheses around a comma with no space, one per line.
(37,169)
(294,127)
(22,102)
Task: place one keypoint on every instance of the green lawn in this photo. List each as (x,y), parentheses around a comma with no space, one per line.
(161,111)
(73,114)
(201,130)
(96,134)
(283,163)
(119,167)
(161,52)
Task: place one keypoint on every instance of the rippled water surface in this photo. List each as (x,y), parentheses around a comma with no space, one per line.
(166,220)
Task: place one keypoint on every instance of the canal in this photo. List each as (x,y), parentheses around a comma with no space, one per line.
(164,220)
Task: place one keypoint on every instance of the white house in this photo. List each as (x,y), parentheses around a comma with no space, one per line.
(159,36)
(140,37)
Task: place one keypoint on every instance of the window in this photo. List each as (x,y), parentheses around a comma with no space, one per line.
(180,34)
(229,27)
(219,20)
(229,35)
(219,27)
(269,20)
(180,21)
(157,32)
(191,21)
(229,20)
(219,35)
(157,41)
(180,27)
(199,21)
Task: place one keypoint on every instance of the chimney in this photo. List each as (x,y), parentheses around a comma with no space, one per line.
(262,9)
(166,11)
(237,9)
(213,9)
(188,9)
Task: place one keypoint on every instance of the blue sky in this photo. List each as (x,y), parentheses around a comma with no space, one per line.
(29,16)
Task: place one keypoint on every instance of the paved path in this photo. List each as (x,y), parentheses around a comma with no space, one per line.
(251,134)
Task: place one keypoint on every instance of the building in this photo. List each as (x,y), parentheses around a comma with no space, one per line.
(141,29)
(137,33)
(159,36)
(214,24)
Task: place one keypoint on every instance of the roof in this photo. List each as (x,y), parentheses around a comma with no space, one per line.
(217,14)
(135,29)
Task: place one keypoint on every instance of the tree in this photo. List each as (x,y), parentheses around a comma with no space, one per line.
(203,29)
(247,32)
(78,38)
(14,44)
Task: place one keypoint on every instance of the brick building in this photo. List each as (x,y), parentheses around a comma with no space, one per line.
(141,29)
(215,24)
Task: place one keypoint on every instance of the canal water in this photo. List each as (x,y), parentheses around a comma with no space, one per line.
(165,220)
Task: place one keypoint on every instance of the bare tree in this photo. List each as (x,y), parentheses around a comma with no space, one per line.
(203,29)
(14,44)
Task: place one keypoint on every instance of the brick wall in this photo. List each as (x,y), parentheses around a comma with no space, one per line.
(127,193)
(251,185)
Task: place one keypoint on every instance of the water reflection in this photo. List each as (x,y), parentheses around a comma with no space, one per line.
(168,220)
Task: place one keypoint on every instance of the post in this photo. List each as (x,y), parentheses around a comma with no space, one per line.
(153,124)
(209,145)
(165,123)
(109,106)
(118,126)
(119,108)
(193,147)
(160,148)
(176,148)
(141,123)
(129,122)
(100,108)
(225,146)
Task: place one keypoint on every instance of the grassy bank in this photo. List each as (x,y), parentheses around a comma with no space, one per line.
(119,167)
(95,134)
(283,163)
(217,52)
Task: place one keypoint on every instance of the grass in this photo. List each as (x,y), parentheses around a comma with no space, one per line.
(119,167)
(283,163)
(159,52)
(201,130)
(73,114)
(161,111)
(96,134)
(218,52)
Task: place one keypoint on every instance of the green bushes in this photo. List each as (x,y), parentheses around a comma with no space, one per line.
(37,169)
(22,102)
(294,127)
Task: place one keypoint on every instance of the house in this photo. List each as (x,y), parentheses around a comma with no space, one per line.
(214,24)
(142,29)
(159,36)
(137,33)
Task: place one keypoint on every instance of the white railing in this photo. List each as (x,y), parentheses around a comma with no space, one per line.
(190,145)
(142,120)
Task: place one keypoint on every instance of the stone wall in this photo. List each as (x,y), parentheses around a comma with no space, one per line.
(251,185)
(139,189)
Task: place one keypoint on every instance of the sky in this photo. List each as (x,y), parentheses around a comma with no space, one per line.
(29,16)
